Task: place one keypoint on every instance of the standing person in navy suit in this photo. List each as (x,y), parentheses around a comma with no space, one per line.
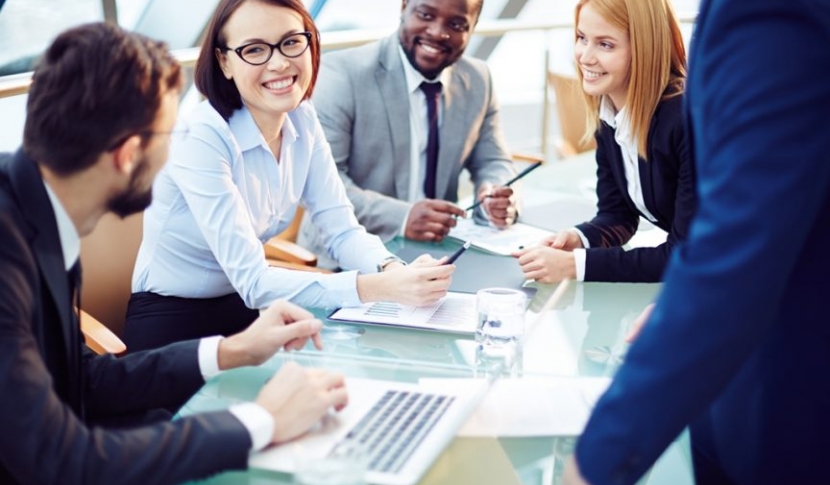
(632,64)
(99,119)
(738,345)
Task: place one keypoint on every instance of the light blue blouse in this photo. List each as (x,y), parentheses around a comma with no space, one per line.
(222,194)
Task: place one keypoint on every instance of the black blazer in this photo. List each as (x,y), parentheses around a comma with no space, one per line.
(52,386)
(668,183)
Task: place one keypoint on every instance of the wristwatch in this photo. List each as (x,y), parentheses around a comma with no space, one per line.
(389,260)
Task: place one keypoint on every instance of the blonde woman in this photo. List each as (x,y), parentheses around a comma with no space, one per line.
(631,62)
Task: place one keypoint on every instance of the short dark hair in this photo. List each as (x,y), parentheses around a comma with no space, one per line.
(95,85)
(221,92)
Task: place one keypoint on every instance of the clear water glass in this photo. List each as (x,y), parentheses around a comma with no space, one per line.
(501,320)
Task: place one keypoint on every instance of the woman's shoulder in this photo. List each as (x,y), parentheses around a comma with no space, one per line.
(304,117)
(671,105)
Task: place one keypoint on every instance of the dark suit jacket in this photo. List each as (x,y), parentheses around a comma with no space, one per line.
(668,183)
(52,386)
(739,342)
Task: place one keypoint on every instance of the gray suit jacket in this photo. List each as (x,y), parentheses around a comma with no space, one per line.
(363,105)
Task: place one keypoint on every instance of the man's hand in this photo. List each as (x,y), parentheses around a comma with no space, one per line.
(499,204)
(431,220)
(545,264)
(567,240)
(297,398)
(282,325)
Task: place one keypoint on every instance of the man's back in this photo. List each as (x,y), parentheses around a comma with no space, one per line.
(738,343)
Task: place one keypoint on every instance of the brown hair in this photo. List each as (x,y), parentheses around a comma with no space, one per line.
(658,61)
(95,85)
(221,92)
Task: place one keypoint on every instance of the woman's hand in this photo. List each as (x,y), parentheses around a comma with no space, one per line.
(546,264)
(423,282)
(566,240)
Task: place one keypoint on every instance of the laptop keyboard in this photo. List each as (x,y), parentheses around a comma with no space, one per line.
(392,430)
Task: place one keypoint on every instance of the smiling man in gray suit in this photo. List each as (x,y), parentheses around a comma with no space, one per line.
(384,134)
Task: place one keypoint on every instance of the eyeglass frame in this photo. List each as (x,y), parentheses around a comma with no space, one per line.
(238,50)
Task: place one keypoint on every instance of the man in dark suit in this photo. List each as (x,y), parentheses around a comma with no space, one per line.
(376,118)
(738,345)
(99,118)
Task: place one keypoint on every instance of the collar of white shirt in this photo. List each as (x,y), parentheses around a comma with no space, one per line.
(620,122)
(247,133)
(415,78)
(70,241)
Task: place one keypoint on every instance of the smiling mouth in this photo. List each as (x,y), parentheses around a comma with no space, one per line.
(430,48)
(281,84)
(591,75)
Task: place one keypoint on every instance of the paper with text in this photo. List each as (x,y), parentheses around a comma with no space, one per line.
(456,312)
(495,240)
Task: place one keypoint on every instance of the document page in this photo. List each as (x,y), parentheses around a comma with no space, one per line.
(495,240)
(456,312)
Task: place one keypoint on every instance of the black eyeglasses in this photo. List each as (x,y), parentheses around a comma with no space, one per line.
(258,53)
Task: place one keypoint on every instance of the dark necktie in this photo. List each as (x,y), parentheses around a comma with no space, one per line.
(433,94)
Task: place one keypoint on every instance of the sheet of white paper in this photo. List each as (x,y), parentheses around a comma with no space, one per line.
(535,406)
(495,240)
(456,312)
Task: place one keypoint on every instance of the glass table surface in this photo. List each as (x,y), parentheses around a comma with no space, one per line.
(581,336)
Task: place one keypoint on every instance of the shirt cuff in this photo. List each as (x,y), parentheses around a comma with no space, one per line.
(258,422)
(584,239)
(579,259)
(342,287)
(209,356)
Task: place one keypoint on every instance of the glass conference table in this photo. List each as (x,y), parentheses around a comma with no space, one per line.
(581,335)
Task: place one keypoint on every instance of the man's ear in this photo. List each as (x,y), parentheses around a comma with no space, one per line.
(125,155)
(403,6)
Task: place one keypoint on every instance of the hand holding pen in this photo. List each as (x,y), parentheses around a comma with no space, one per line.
(501,210)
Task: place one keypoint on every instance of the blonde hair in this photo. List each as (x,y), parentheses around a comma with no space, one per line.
(658,60)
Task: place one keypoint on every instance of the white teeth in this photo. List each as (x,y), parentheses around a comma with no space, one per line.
(430,49)
(591,75)
(280,84)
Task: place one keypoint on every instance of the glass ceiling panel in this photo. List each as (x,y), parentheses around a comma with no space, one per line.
(28,26)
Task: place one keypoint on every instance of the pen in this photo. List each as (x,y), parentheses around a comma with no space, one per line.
(509,182)
(458,253)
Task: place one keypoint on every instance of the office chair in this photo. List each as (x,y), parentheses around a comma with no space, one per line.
(283,251)
(572,113)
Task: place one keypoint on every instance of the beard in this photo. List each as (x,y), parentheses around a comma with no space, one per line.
(134,198)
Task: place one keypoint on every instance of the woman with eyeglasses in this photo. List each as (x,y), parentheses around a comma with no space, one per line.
(631,61)
(254,152)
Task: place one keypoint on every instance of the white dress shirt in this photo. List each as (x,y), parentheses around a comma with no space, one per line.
(627,142)
(223,193)
(258,422)
(419,126)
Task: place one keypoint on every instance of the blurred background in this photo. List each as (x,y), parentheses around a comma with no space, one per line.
(526,41)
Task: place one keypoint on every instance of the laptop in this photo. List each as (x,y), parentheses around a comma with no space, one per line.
(402,427)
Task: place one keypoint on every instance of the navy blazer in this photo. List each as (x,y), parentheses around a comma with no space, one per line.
(739,342)
(667,180)
(53,387)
